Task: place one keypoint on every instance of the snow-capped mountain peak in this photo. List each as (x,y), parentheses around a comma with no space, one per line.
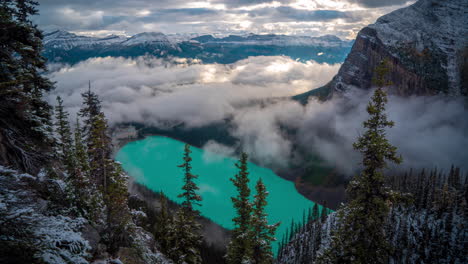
(147,38)
(66,47)
(65,40)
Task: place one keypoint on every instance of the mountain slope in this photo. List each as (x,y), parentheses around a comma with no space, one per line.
(38,226)
(426,44)
(427,224)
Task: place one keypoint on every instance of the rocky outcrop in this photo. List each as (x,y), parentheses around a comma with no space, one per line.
(426,46)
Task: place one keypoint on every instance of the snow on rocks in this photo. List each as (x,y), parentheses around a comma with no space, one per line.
(26,221)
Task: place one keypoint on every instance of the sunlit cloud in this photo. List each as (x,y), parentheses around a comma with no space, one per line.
(343,18)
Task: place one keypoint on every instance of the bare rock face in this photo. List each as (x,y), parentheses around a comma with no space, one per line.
(426,44)
(367,52)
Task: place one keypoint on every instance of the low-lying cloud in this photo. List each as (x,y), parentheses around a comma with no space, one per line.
(254,95)
(158,92)
(429,131)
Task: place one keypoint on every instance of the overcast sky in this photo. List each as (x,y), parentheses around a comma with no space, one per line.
(343,18)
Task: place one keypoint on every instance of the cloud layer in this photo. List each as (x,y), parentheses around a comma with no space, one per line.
(429,131)
(303,17)
(158,92)
(253,94)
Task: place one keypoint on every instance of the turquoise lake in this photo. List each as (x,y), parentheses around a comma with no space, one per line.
(153,162)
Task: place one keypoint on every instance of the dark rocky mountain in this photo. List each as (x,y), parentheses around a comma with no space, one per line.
(427,47)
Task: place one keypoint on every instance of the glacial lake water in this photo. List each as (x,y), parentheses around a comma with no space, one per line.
(153,162)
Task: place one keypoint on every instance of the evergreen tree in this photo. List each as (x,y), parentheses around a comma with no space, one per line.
(190,188)
(188,238)
(106,174)
(315,212)
(64,142)
(100,152)
(88,199)
(360,237)
(81,154)
(324,213)
(32,64)
(90,111)
(262,233)
(25,118)
(164,226)
(118,215)
(240,246)
(187,241)
(292,231)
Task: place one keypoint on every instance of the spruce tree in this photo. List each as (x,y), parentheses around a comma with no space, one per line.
(292,231)
(190,188)
(263,234)
(240,246)
(324,213)
(188,238)
(100,152)
(315,212)
(164,226)
(360,237)
(118,216)
(25,118)
(90,111)
(80,152)
(64,140)
(88,198)
(106,174)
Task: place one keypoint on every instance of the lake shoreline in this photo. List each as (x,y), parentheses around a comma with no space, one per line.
(153,162)
(317,194)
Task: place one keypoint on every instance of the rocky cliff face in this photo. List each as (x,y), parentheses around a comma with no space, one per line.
(426,44)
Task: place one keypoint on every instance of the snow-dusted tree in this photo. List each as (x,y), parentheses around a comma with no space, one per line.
(190,188)
(361,237)
(87,196)
(25,123)
(64,141)
(315,212)
(164,226)
(90,111)
(105,173)
(188,238)
(100,152)
(324,213)
(81,153)
(240,246)
(262,233)
(431,232)
(118,213)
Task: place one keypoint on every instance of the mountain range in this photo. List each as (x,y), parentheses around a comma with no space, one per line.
(66,47)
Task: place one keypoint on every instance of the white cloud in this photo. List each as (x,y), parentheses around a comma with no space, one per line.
(214,151)
(253,94)
(155,91)
(224,16)
(429,130)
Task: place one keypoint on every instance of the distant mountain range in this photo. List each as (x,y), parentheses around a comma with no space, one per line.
(66,47)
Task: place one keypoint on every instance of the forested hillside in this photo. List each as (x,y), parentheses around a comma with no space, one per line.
(62,198)
(428,225)
(388,218)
